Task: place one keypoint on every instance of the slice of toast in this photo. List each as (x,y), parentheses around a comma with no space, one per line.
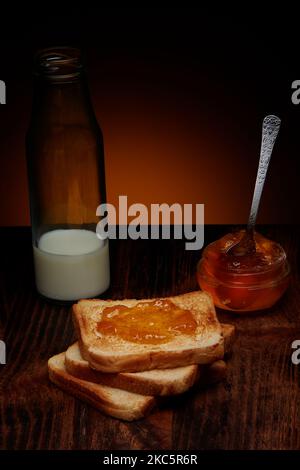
(152,382)
(114,402)
(229,335)
(111,401)
(211,373)
(114,354)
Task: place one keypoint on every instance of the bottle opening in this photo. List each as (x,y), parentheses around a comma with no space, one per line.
(59,63)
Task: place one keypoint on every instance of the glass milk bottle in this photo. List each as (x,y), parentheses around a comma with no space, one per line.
(65,162)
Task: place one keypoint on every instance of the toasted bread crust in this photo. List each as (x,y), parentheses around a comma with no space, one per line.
(96,396)
(108,355)
(212,373)
(155,382)
(168,382)
(229,335)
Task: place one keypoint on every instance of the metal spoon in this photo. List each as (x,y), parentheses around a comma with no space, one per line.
(270,129)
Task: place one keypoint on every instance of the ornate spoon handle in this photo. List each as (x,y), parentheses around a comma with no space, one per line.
(270,129)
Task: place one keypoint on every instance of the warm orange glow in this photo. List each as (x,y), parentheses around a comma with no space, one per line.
(164,142)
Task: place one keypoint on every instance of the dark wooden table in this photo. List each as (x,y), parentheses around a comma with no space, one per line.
(257,407)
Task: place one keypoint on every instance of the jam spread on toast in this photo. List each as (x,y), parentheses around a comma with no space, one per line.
(153,322)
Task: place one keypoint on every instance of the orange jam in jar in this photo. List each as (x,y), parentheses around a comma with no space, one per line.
(254,281)
(153,322)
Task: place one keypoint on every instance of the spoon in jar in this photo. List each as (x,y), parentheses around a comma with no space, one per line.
(270,129)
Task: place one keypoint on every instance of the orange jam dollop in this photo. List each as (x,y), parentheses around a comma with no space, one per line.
(253,281)
(153,322)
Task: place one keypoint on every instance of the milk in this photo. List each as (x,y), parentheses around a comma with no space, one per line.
(71,264)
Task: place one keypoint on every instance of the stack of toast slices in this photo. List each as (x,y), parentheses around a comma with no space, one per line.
(126,379)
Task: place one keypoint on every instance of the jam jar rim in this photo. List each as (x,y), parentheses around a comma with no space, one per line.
(282,259)
(213,280)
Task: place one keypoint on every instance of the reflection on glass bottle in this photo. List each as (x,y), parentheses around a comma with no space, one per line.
(65,162)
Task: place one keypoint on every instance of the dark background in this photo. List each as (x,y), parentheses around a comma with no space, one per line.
(180,95)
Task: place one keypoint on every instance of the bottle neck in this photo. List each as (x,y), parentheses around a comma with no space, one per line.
(61,95)
(63,102)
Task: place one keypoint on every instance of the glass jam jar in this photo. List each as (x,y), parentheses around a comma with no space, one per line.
(245,283)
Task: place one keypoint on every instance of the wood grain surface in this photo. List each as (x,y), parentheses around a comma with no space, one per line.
(257,407)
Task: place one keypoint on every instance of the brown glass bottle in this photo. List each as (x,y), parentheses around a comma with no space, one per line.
(65,162)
